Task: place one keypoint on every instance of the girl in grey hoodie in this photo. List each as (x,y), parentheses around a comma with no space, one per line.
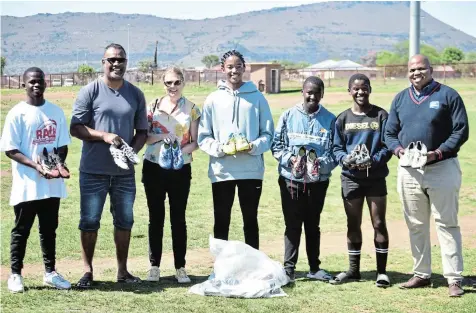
(235,129)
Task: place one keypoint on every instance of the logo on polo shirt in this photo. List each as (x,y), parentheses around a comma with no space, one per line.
(374,125)
(46,133)
(434,104)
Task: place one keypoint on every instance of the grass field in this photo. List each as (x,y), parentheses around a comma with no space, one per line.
(304,296)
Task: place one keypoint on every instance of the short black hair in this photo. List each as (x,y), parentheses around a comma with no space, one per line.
(229,54)
(33,69)
(115,46)
(314,80)
(359,76)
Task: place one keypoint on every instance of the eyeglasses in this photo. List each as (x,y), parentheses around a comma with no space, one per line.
(171,83)
(114,60)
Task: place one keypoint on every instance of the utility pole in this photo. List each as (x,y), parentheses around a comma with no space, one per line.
(128,47)
(155,55)
(414,43)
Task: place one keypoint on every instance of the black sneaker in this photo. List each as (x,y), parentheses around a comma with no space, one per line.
(48,164)
(60,166)
(352,157)
(291,277)
(364,157)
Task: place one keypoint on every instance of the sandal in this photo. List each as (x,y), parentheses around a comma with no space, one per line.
(343,278)
(86,281)
(129,279)
(382,281)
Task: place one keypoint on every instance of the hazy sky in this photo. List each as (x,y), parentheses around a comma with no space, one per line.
(459,14)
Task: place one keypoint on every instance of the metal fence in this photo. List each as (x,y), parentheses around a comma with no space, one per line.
(290,78)
(150,77)
(383,74)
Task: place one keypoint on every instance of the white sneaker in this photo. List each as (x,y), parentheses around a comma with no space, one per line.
(154,274)
(129,153)
(15,283)
(320,275)
(182,277)
(419,156)
(55,279)
(119,157)
(407,158)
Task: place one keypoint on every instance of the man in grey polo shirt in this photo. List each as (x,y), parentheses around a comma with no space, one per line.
(107,110)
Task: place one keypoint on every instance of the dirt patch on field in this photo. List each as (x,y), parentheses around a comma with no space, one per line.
(331,243)
(48,95)
(5,173)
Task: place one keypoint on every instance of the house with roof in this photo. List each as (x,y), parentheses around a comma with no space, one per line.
(331,69)
(444,71)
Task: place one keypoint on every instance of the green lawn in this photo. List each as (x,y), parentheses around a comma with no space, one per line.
(166,296)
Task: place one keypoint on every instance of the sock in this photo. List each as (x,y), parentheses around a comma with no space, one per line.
(381,250)
(354,258)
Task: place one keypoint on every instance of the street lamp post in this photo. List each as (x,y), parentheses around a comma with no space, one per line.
(414,47)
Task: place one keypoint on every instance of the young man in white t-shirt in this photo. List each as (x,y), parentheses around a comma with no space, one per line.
(30,127)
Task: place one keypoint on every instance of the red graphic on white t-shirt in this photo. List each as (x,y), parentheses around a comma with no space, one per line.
(46,133)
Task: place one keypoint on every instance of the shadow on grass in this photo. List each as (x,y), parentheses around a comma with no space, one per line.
(294,90)
(398,278)
(166,282)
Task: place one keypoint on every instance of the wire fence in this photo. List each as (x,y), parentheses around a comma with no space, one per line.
(334,77)
(290,78)
(135,77)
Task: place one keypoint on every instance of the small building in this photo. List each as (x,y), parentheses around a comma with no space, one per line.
(331,69)
(266,76)
(444,71)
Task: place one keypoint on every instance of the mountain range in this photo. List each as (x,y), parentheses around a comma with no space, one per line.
(311,33)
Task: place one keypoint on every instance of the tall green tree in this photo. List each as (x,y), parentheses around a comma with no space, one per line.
(388,58)
(85,69)
(145,65)
(210,60)
(452,55)
(403,49)
(470,57)
(3,64)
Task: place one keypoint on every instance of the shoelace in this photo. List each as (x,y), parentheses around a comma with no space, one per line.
(56,160)
(118,154)
(56,274)
(154,271)
(128,151)
(181,273)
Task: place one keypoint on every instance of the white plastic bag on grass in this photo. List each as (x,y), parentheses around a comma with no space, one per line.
(242,271)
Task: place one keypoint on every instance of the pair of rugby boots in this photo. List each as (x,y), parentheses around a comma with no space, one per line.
(306,165)
(359,157)
(236,143)
(415,155)
(52,164)
(123,154)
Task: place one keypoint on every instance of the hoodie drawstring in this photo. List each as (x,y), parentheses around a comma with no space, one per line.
(236,109)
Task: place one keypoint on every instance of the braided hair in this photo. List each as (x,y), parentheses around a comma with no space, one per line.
(359,76)
(232,53)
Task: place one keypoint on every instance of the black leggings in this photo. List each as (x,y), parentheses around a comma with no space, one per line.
(158,183)
(249,193)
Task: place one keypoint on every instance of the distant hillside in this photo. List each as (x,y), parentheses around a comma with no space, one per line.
(57,42)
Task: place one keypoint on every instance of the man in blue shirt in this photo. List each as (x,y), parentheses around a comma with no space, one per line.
(429,116)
